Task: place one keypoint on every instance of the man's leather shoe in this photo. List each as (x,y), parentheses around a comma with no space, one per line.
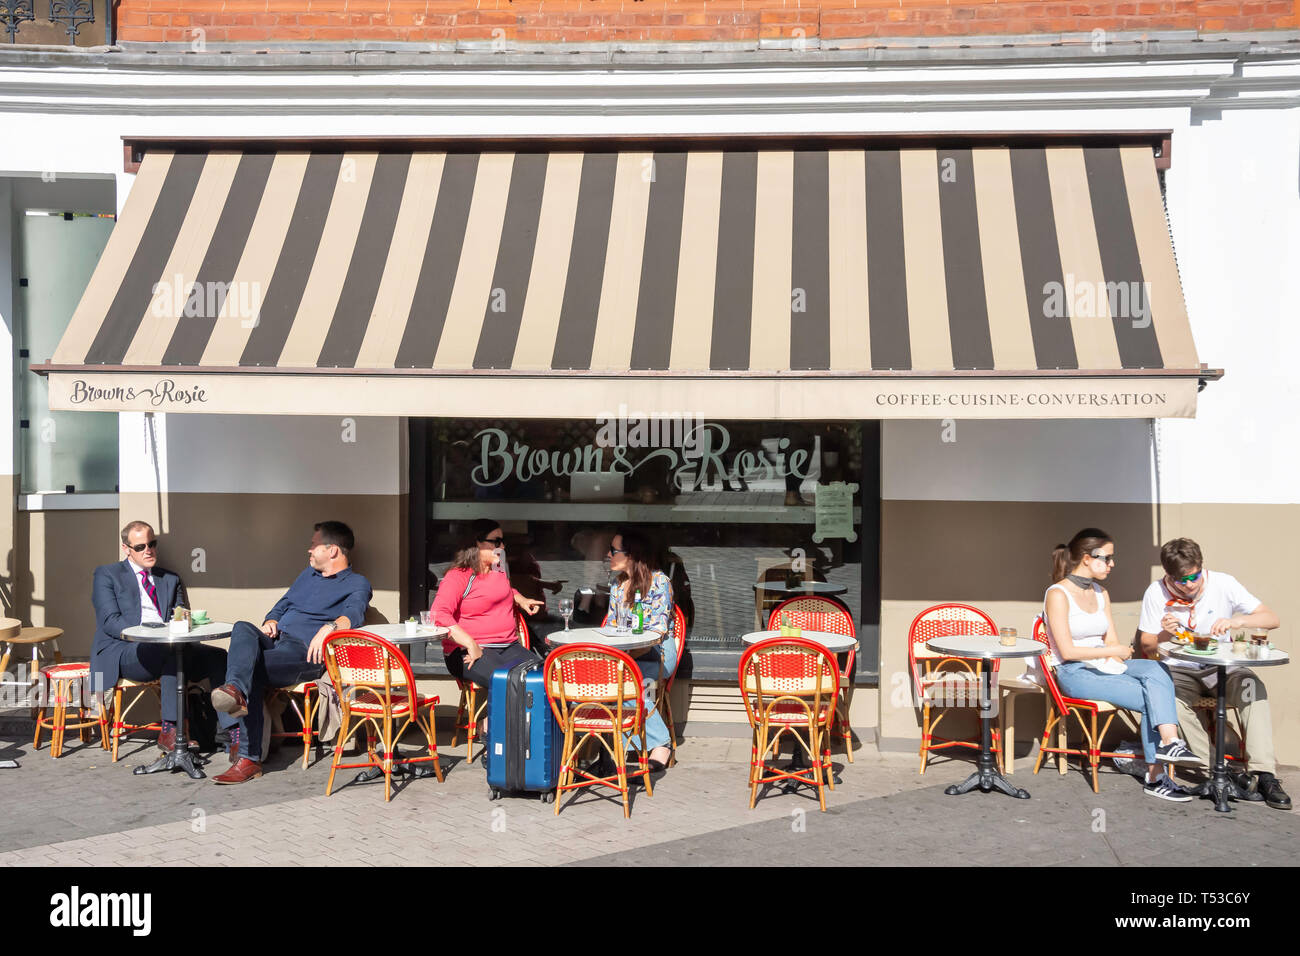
(1247,786)
(242,772)
(229,699)
(1274,795)
(167,739)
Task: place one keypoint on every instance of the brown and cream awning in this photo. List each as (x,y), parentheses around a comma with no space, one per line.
(809,283)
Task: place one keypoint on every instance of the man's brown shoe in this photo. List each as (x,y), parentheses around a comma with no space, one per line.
(242,772)
(167,739)
(229,699)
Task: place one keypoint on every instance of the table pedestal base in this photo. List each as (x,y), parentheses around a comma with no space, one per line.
(1220,790)
(986,775)
(173,760)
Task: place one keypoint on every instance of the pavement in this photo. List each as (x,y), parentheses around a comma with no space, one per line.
(83,810)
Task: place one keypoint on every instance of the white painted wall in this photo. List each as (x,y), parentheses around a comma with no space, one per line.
(1103,461)
(8,461)
(261,454)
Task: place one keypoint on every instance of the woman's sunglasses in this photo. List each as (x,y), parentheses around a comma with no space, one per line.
(613,550)
(1108,558)
(495,542)
(137,548)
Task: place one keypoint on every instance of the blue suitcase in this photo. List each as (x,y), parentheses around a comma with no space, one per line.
(523,739)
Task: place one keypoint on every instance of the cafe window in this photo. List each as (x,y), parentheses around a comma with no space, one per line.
(737,510)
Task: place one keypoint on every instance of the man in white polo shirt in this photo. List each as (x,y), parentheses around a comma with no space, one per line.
(1190,597)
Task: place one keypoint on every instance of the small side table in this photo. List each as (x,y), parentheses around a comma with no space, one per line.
(13,633)
(1010,690)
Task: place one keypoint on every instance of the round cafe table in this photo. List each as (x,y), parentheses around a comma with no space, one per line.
(835,643)
(1220,787)
(398,634)
(179,757)
(605,636)
(815,588)
(986,775)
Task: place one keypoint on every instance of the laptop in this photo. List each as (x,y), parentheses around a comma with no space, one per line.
(596,486)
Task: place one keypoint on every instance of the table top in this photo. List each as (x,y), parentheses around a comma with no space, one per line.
(34,635)
(985,647)
(1226,656)
(598,635)
(161,635)
(835,643)
(9,627)
(808,587)
(396,633)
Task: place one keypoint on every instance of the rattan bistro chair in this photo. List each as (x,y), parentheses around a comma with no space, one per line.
(309,695)
(832,617)
(473,702)
(60,687)
(595,692)
(379,693)
(1060,708)
(789,686)
(943,681)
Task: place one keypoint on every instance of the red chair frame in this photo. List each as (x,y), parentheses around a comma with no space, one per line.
(824,614)
(616,710)
(947,620)
(306,716)
(788,710)
(356,679)
(470,702)
(1059,711)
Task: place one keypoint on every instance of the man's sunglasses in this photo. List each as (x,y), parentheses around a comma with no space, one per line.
(495,542)
(1188,578)
(137,548)
(1108,558)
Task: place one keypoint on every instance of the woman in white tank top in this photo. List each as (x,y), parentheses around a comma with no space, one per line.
(1091,664)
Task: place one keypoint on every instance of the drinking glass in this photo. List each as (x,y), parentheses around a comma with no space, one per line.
(566,610)
(426,618)
(1007,636)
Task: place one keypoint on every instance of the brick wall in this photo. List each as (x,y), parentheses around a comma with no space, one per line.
(587,21)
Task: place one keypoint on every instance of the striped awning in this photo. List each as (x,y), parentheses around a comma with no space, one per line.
(990,282)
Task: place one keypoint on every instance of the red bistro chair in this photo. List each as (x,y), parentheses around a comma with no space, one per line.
(307,692)
(118,725)
(473,702)
(938,679)
(595,691)
(377,689)
(64,686)
(823,614)
(1061,707)
(664,704)
(789,685)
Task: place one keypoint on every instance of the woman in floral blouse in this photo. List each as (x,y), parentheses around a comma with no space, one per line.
(631,558)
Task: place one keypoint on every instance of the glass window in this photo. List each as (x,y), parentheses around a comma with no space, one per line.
(731,506)
(56,255)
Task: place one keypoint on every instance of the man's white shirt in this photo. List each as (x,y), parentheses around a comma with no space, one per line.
(1223,596)
(148,613)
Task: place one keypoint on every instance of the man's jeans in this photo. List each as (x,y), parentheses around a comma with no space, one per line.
(150,662)
(1246,692)
(1145,688)
(256,663)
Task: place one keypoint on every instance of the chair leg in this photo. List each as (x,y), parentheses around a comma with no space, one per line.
(338,748)
(819,767)
(620,764)
(1047,736)
(60,721)
(925,735)
(1094,746)
(1062,739)
(310,700)
(756,761)
(566,765)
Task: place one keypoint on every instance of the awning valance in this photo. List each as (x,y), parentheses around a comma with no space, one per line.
(987,282)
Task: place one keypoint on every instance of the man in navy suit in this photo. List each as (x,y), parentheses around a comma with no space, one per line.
(136,591)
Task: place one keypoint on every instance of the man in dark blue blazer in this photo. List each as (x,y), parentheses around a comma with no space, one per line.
(136,591)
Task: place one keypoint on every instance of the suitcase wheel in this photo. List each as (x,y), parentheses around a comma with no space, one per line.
(548,796)
(494,793)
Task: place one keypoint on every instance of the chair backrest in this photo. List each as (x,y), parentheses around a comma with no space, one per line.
(521,628)
(591,674)
(944,620)
(676,634)
(1047,670)
(367,663)
(817,614)
(787,667)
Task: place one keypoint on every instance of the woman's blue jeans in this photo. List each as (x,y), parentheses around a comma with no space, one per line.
(1145,688)
(661,662)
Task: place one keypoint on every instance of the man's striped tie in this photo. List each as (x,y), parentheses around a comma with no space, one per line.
(150,590)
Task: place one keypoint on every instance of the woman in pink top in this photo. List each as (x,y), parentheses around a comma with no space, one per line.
(475,600)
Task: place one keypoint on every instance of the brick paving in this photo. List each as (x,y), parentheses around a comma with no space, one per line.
(83,810)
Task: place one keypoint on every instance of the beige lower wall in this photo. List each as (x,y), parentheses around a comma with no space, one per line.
(58,552)
(238,553)
(996,555)
(9,544)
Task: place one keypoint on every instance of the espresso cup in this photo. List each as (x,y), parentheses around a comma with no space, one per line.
(1202,641)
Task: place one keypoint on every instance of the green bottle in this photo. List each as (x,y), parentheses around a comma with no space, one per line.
(638,615)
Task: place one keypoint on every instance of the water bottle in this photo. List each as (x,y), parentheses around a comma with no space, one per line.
(501,560)
(638,615)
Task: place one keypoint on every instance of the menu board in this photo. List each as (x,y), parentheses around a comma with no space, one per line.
(833,511)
